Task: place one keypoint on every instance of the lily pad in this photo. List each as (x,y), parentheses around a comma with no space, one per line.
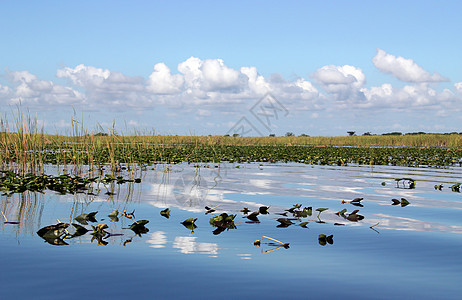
(139,227)
(303,224)
(53,231)
(404,202)
(165,213)
(284,222)
(83,218)
(79,230)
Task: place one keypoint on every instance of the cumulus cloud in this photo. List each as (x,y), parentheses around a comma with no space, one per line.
(103,87)
(410,97)
(342,81)
(404,69)
(28,89)
(96,79)
(161,81)
(211,75)
(204,87)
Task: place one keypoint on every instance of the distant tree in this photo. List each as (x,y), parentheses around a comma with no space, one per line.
(290,134)
(393,133)
(367,133)
(272,135)
(351,133)
(235,134)
(226,134)
(100,134)
(305,135)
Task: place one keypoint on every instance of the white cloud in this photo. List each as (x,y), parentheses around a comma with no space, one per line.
(343,82)
(404,69)
(410,97)
(257,83)
(161,81)
(204,87)
(458,87)
(30,90)
(203,76)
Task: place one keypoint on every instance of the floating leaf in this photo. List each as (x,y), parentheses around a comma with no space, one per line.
(165,213)
(79,230)
(98,231)
(309,210)
(303,224)
(253,216)
(395,201)
(114,215)
(341,213)
(354,216)
(456,188)
(53,231)
(404,202)
(190,226)
(83,218)
(189,221)
(322,239)
(439,187)
(139,227)
(284,222)
(330,239)
(263,210)
(245,210)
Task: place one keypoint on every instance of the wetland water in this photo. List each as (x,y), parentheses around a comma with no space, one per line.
(413,252)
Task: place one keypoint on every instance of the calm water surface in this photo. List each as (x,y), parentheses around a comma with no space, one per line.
(413,252)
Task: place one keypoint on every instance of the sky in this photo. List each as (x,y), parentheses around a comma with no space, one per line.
(320,68)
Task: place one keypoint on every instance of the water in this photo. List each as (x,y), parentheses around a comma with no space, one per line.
(413,252)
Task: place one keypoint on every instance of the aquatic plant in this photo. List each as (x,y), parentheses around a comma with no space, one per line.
(222,222)
(407,183)
(165,213)
(278,244)
(324,239)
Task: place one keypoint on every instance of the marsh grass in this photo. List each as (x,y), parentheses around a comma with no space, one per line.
(25,148)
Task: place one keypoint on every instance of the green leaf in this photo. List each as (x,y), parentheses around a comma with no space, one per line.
(79,230)
(114,213)
(139,227)
(404,202)
(53,231)
(341,213)
(303,224)
(189,221)
(165,213)
(322,239)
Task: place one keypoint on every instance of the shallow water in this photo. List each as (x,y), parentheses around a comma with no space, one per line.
(413,252)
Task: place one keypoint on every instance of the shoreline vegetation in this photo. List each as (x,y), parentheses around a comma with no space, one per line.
(26,148)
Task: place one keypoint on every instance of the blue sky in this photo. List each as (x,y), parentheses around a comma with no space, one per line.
(198,67)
